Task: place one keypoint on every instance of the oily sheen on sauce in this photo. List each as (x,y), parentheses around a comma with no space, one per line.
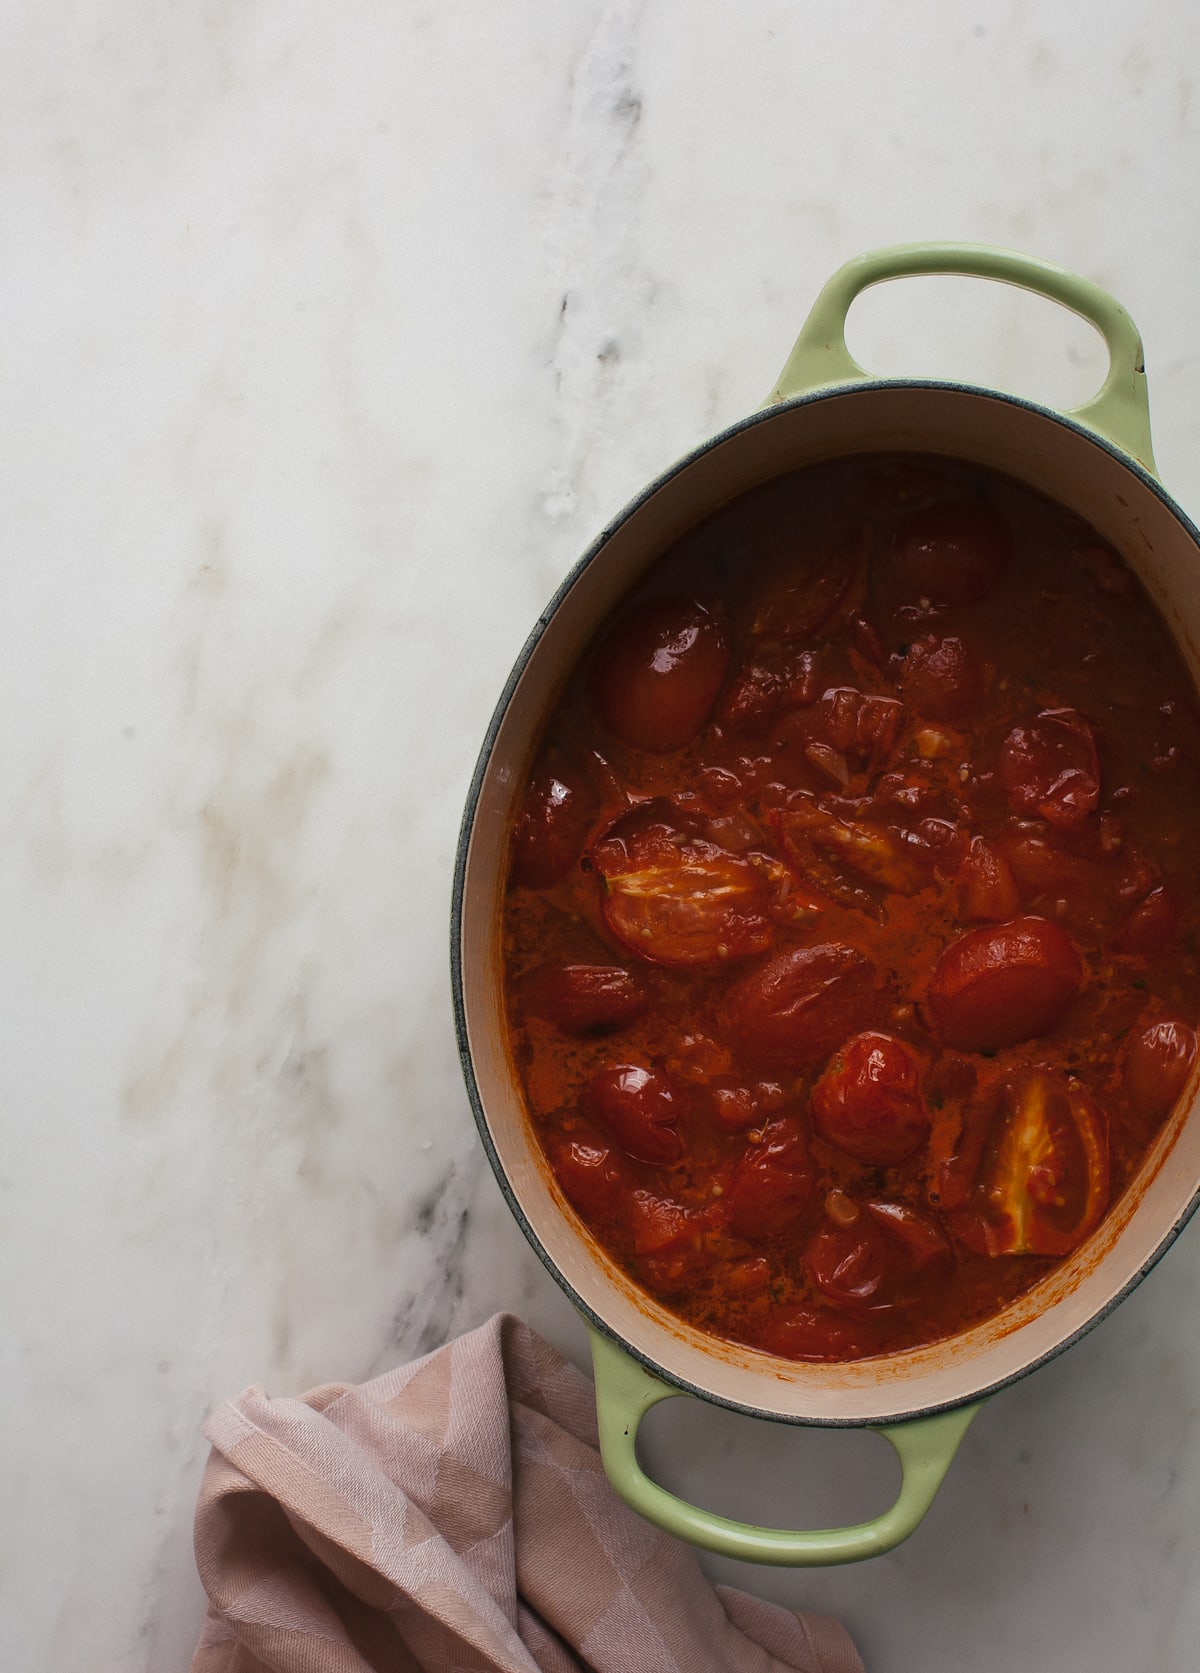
(850,930)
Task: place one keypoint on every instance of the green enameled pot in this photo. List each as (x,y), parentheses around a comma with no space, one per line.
(1096,461)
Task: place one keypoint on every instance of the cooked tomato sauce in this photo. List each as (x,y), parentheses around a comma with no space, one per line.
(850,936)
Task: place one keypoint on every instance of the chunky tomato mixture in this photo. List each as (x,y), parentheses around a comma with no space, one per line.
(850,936)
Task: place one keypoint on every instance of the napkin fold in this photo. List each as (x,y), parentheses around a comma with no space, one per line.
(453,1515)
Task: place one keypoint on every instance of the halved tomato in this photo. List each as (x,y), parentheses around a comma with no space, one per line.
(1031,1176)
(674,898)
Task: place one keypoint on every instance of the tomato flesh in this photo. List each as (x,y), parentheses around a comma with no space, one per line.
(985,885)
(941,679)
(1038,1168)
(657,674)
(868,1102)
(672,897)
(997,986)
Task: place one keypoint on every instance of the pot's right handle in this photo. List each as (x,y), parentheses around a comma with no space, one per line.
(1119,413)
(625,1392)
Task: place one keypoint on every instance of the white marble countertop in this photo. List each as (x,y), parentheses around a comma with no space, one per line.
(331,337)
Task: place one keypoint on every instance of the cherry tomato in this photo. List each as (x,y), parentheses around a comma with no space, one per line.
(765,685)
(771,1184)
(591,1175)
(1152,925)
(793,1010)
(954,552)
(985,886)
(1032,1173)
(859,725)
(1157,1065)
(552,825)
(998,985)
(582,999)
(941,679)
(657,674)
(740,1107)
(800,607)
(668,1239)
(1050,769)
(868,1101)
(640,1108)
(674,898)
(814,1333)
(879,1257)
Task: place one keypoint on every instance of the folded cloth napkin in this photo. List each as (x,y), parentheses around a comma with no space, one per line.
(454,1515)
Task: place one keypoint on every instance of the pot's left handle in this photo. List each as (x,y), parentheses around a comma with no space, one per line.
(625,1392)
(1119,411)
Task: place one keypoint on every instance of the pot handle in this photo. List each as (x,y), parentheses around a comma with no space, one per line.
(625,1392)
(1119,413)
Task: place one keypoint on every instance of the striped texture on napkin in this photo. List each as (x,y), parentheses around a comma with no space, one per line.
(454,1515)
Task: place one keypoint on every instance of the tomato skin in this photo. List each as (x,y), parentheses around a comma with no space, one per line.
(999,985)
(954,552)
(868,1102)
(1032,1173)
(657,674)
(1050,769)
(798,1006)
(818,1334)
(640,1108)
(581,999)
(772,1183)
(880,1259)
(1157,1065)
(592,1177)
(552,826)
(985,886)
(1152,925)
(674,898)
(941,679)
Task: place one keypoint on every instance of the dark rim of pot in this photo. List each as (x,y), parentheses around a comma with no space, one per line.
(1119,457)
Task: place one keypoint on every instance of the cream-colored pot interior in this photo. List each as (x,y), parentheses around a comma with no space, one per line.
(1066,464)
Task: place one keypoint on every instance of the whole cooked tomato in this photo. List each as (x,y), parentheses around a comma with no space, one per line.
(868,1102)
(673,897)
(1157,1065)
(941,679)
(998,985)
(590,1172)
(640,1107)
(868,1256)
(796,1008)
(581,999)
(1050,768)
(553,824)
(658,672)
(1031,1176)
(772,1182)
(953,552)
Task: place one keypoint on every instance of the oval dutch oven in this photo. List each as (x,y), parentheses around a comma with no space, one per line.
(1097,461)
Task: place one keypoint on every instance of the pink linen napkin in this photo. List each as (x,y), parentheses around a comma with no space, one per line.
(453,1515)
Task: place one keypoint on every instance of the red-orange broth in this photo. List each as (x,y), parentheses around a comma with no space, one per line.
(850,931)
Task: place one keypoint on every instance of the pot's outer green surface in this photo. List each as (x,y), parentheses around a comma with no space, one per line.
(1098,461)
